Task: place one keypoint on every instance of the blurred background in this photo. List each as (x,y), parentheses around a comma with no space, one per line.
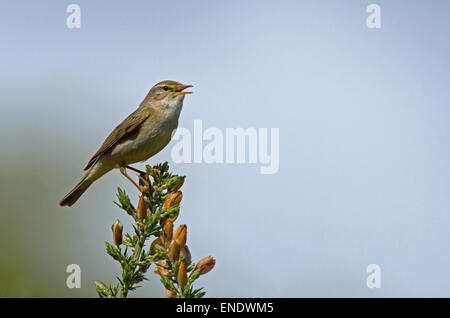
(364,159)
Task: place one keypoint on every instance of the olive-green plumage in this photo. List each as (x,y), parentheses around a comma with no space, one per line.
(141,135)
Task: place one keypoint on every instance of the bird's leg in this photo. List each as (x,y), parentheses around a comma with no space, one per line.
(135,170)
(124,172)
(141,187)
(142,176)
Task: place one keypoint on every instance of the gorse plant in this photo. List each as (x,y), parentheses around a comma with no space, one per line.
(154,217)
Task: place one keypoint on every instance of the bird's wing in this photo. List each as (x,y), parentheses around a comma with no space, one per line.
(133,121)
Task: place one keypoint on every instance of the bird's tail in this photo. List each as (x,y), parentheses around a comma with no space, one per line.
(74,194)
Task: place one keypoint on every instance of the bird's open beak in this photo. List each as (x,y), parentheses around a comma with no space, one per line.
(180,89)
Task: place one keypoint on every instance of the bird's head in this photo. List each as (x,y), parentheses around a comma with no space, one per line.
(166,93)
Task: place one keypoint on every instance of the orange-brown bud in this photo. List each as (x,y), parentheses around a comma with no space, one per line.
(182,275)
(117,232)
(160,269)
(155,242)
(173,199)
(168,231)
(180,235)
(142,208)
(169,293)
(206,264)
(174,251)
(187,254)
(177,185)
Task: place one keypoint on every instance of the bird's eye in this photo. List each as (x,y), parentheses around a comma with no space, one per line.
(165,88)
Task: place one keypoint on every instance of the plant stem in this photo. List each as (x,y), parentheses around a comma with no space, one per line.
(136,256)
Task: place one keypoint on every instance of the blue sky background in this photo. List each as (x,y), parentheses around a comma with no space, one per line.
(364,158)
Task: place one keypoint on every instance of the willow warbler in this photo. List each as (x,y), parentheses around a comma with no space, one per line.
(141,135)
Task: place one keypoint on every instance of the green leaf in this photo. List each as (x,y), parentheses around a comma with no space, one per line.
(171,211)
(200,295)
(193,276)
(113,251)
(102,289)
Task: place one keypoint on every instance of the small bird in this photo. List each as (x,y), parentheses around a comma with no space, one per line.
(141,135)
